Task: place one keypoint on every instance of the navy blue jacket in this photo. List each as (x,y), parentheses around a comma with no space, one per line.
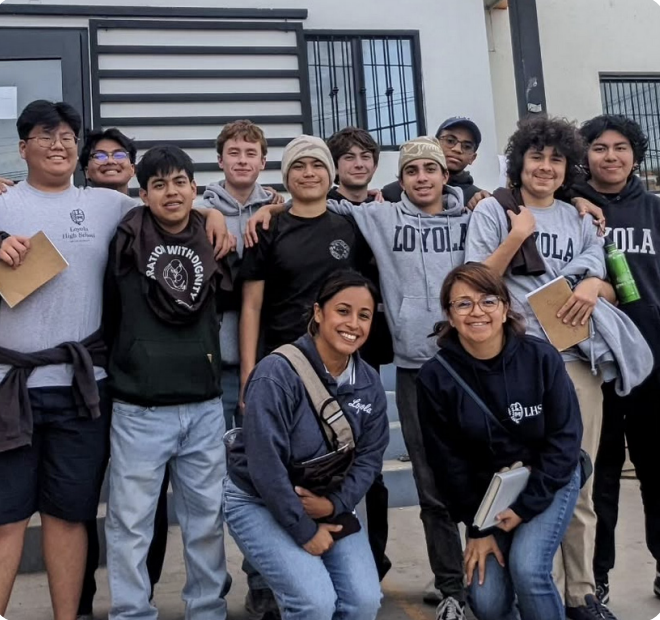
(281,428)
(633,223)
(536,420)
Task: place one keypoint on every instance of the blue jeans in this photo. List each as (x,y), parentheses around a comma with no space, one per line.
(143,442)
(342,584)
(230,390)
(527,576)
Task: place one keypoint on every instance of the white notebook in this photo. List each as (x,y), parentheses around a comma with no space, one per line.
(503,491)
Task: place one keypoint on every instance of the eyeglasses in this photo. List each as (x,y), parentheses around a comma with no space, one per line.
(68,141)
(102,156)
(466,145)
(464,305)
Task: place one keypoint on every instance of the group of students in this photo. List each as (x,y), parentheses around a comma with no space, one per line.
(119,356)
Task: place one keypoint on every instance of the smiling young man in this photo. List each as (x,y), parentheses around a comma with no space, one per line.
(55,464)
(543,155)
(301,247)
(616,146)
(242,150)
(355,155)
(161,322)
(107,159)
(55,406)
(460,139)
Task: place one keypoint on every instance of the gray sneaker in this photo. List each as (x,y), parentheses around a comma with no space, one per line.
(450,609)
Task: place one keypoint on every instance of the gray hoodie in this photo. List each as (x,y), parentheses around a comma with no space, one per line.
(237,215)
(569,247)
(414,251)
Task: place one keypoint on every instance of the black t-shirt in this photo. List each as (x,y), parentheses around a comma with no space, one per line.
(293,257)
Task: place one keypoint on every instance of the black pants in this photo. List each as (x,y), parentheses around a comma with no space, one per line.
(635,418)
(155,558)
(376,500)
(443,542)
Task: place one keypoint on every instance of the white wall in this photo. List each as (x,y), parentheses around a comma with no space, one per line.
(456,72)
(579,40)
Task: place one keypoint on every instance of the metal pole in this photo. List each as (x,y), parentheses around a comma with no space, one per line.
(527,62)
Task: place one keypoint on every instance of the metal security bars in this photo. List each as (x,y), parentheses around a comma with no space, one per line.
(368,81)
(638,98)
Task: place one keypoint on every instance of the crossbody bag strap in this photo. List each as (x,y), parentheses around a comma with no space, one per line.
(470,392)
(334,422)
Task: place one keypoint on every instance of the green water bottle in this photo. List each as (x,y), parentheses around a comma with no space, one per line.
(620,274)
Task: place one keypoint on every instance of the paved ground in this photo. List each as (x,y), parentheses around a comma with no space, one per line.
(631,582)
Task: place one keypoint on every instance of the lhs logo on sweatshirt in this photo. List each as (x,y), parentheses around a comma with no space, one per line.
(517,412)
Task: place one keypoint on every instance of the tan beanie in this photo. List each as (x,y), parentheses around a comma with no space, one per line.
(424,147)
(306,146)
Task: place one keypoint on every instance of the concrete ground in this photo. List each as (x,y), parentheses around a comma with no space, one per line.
(631,581)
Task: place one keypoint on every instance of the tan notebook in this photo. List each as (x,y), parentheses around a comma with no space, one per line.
(546,301)
(42,263)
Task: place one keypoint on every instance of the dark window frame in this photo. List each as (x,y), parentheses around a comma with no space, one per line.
(636,106)
(355,38)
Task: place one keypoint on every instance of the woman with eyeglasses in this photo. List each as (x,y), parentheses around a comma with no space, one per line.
(530,415)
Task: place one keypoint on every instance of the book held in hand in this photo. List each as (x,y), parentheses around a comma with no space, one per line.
(546,301)
(503,490)
(42,263)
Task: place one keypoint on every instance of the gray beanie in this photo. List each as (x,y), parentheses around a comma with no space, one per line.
(306,146)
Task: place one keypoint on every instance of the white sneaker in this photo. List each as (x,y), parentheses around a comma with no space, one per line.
(450,609)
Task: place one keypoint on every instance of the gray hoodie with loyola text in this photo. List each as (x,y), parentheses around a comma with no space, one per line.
(414,251)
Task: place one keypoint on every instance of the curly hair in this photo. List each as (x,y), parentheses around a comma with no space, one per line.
(245,129)
(538,132)
(628,128)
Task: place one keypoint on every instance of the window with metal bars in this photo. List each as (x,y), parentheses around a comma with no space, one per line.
(638,98)
(370,81)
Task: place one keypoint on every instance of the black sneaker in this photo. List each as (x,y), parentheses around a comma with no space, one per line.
(450,609)
(261,604)
(656,583)
(603,591)
(593,609)
(432,596)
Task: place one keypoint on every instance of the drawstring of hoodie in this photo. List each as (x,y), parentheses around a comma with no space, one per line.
(421,249)
(592,354)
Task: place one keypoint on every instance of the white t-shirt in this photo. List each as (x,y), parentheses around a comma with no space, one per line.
(80,223)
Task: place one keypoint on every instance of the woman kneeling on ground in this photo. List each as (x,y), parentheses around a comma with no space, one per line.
(531,415)
(305,544)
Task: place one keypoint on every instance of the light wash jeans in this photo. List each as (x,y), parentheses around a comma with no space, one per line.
(143,441)
(527,575)
(342,584)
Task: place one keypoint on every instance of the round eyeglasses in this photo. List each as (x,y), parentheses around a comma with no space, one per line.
(466,145)
(464,305)
(102,156)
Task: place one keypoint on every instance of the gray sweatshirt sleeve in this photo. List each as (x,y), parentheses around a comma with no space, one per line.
(365,215)
(485,231)
(590,261)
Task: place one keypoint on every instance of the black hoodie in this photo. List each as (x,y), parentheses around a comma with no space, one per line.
(633,223)
(536,420)
(463,180)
